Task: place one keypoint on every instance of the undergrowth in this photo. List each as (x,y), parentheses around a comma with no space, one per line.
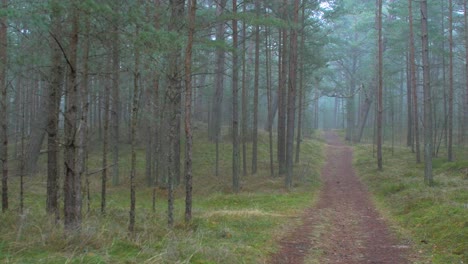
(226,227)
(436,217)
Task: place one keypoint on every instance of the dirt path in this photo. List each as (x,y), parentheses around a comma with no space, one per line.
(344,226)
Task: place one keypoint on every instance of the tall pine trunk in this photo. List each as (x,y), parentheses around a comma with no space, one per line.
(300,108)
(379,87)
(173,94)
(115,100)
(133,130)
(72,183)
(188,111)
(450,92)
(256,87)
(292,86)
(3,107)
(269,100)
(414,87)
(282,97)
(215,124)
(428,147)
(244,97)
(57,72)
(235,105)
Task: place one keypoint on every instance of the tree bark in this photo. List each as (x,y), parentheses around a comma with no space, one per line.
(235,110)
(215,130)
(3,103)
(105,144)
(379,87)
(244,97)
(173,94)
(428,147)
(133,130)
(55,86)
(409,101)
(450,92)
(188,111)
(464,130)
(292,86)
(83,122)
(414,87)
(115,100)
(72,183)
(300,108)
(364,113)
(256,87)
(269,99)
(283,53)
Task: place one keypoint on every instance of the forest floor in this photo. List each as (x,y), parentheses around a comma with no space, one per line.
(344,225)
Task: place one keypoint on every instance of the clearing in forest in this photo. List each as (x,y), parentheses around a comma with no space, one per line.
(344,225)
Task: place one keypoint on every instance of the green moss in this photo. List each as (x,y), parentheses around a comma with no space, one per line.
(435,217)
(226,227)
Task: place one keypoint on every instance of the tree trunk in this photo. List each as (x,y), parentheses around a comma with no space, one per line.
(83,123)
(379,87)
(269,99)
(364,113)
(105,142)
(72,183)
(281,144)
(292,83)
(188,111)
(414,86)
(235,110)
(133,130)
(3,108)
(464,130)
(300,108)
(244,97)
(55,86)
(157,115)
(409,135)
(450,95)
(215,130)
(256,87)
(115,101)
(427,97)
(173,94)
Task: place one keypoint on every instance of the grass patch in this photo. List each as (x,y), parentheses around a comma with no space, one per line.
(435,217)
(227,227)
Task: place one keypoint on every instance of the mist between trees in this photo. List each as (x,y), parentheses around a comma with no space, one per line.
(82,77)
